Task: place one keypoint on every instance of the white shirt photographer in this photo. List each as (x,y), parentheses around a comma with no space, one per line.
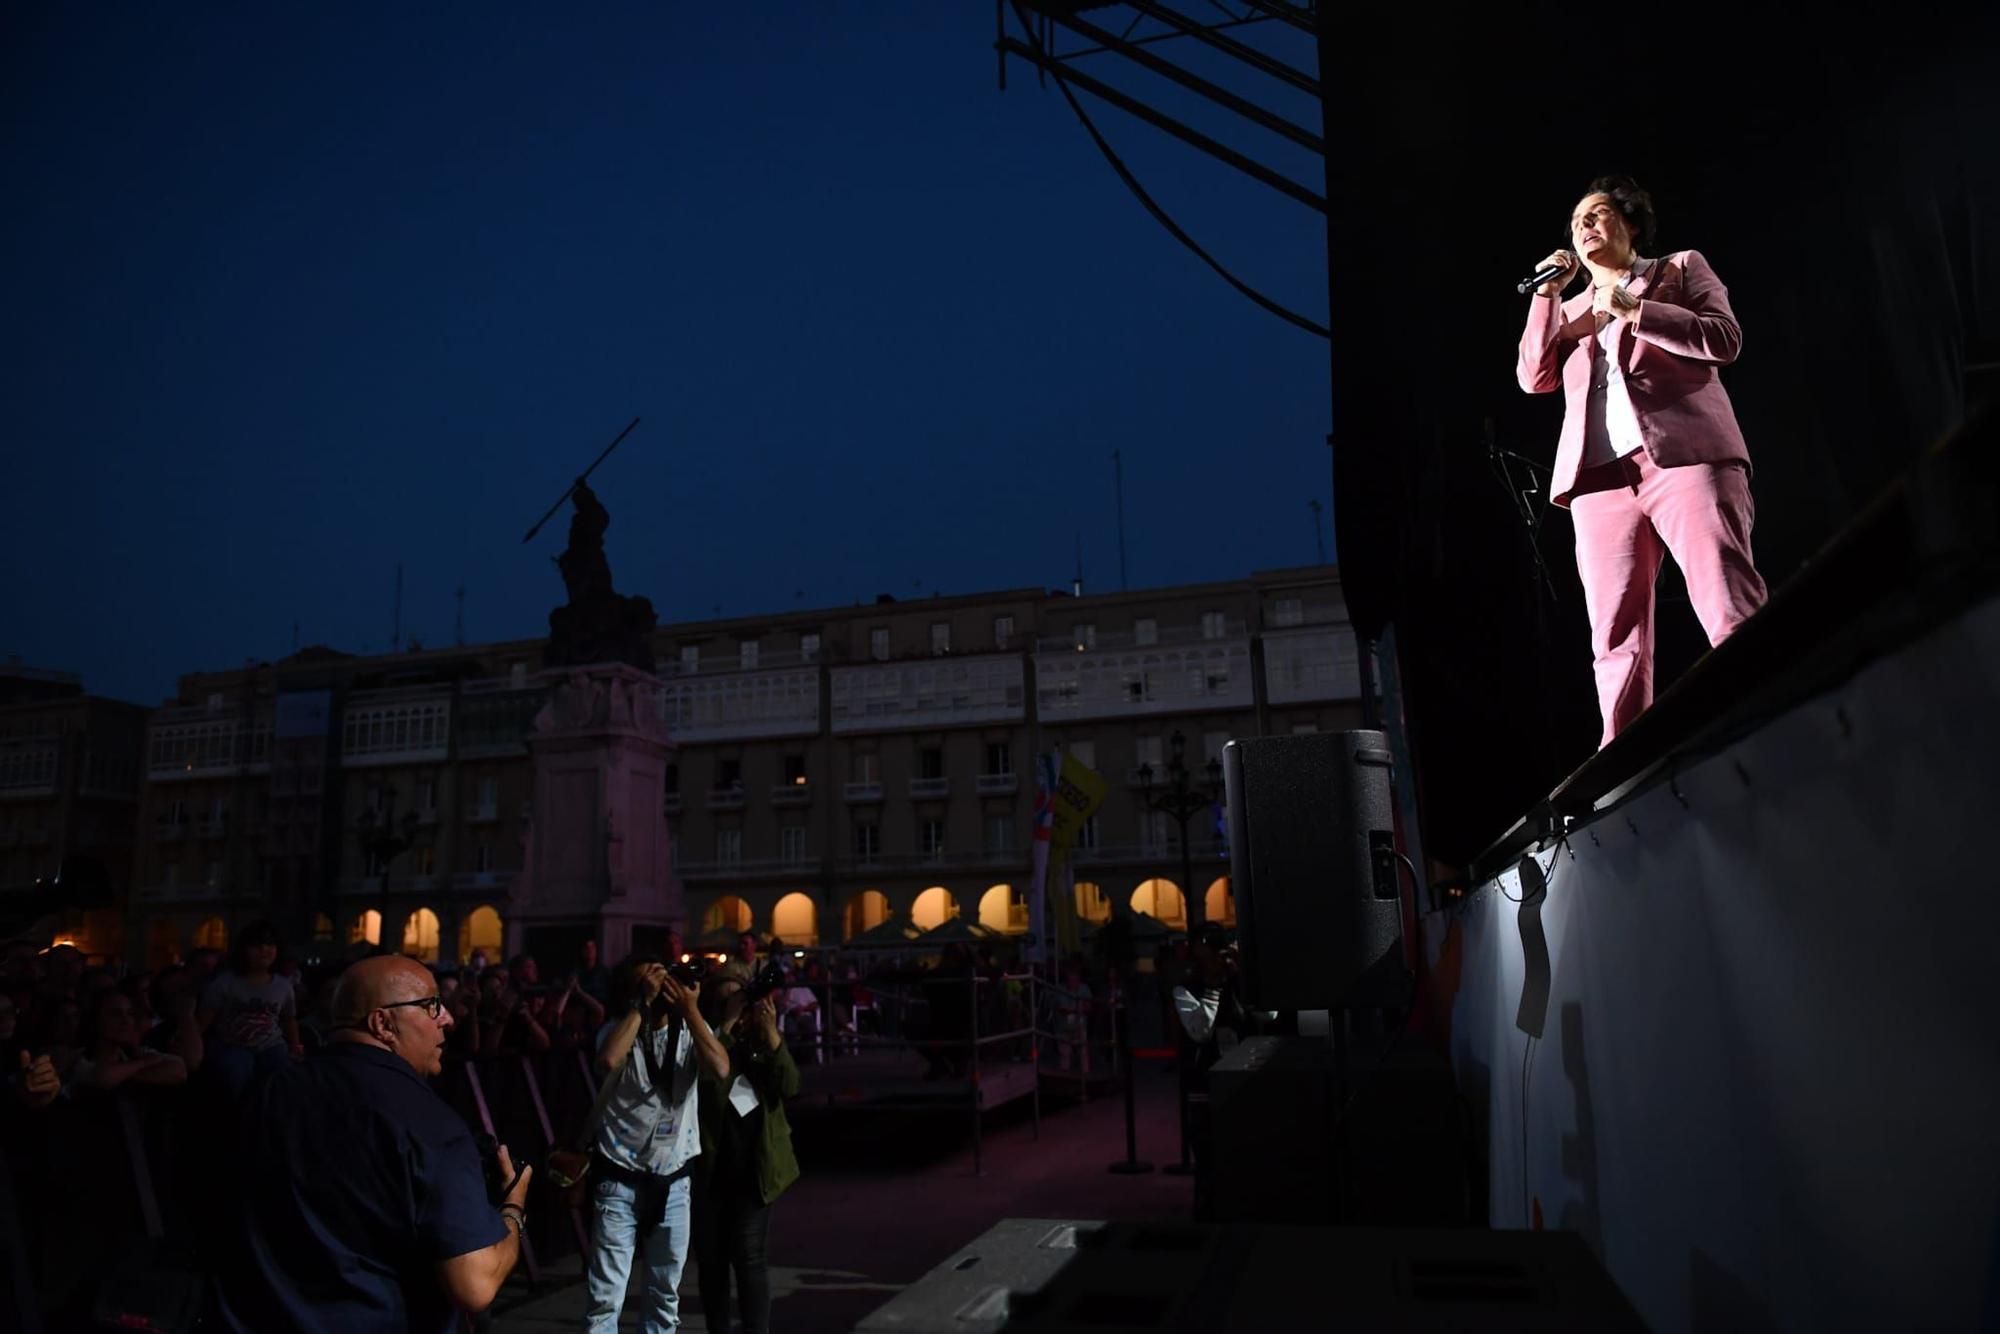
(650,1123)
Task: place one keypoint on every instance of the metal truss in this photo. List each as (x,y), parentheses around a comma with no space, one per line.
(1043,26)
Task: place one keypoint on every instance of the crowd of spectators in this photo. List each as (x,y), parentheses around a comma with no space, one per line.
(180,1044)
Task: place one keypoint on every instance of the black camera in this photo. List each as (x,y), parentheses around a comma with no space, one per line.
(690,972)
(769,980)
(498,1186)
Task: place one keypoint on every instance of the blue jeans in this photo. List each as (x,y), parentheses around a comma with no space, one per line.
(626,1216)
(236,1066)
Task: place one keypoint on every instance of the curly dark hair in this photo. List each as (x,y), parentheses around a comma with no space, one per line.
(1633,204)
(626,992)
(263,931)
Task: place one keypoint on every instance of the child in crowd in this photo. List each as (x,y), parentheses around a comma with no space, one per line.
(249,1013)
(111,1052)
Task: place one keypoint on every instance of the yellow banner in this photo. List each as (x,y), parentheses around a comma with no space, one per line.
(1079,792)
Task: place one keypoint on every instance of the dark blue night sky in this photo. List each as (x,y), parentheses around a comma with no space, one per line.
(297,293)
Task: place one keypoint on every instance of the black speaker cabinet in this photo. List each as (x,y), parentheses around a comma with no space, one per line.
(1312,861)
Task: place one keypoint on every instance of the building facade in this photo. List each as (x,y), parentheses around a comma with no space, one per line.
(69,800)
(831,767)
(837,768)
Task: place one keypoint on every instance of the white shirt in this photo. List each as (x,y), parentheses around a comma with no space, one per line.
(1610,426)
(644,1130)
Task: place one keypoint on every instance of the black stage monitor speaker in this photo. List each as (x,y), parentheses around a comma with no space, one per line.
(1312,862)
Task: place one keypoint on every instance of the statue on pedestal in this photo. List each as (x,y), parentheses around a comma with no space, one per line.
(597,624)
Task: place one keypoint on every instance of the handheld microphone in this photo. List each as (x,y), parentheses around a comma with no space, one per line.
(1547,275)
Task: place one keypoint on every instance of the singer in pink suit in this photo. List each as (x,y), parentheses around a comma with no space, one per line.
(1651,460)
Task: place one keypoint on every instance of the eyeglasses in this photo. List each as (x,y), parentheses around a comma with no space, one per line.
(433,1006)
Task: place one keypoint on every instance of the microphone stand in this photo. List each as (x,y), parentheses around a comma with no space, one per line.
(1522,498)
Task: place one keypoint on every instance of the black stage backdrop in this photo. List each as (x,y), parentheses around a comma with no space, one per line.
(1844,181)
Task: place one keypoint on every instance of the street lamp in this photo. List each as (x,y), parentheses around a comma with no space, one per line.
(1183,800)
(382,840)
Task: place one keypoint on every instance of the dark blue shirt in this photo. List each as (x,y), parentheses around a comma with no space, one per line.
(354,1181)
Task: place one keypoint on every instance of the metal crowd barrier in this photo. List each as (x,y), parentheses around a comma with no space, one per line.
(1006,1040)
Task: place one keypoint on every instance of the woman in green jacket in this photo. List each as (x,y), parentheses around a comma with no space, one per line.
(746,1157)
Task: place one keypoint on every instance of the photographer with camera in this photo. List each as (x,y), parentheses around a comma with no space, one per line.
(646,1138)
(746,1146)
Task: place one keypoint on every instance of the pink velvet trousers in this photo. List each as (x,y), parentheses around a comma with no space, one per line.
(1627,515)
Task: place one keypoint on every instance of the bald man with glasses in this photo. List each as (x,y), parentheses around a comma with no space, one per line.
(360,1202)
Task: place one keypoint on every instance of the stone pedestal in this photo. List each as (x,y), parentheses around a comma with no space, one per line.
(598,864)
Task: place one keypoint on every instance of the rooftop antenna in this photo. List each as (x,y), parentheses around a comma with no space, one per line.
(1118,482)
(461,616)
(396,634)
(1319,543)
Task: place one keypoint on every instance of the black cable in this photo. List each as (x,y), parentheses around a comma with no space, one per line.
(1527,1055)
(1290,317)
(1528,1050)
(1548,881)
(1395,1039)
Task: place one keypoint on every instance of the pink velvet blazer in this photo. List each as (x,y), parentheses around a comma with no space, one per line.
(1670,356)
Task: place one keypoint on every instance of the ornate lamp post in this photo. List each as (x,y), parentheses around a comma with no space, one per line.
(382,840)
(1183,800)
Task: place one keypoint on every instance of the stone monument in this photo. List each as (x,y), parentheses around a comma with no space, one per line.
(598,863)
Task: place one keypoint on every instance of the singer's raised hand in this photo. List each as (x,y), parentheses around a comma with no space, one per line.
(1569,267)
(1615,302)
